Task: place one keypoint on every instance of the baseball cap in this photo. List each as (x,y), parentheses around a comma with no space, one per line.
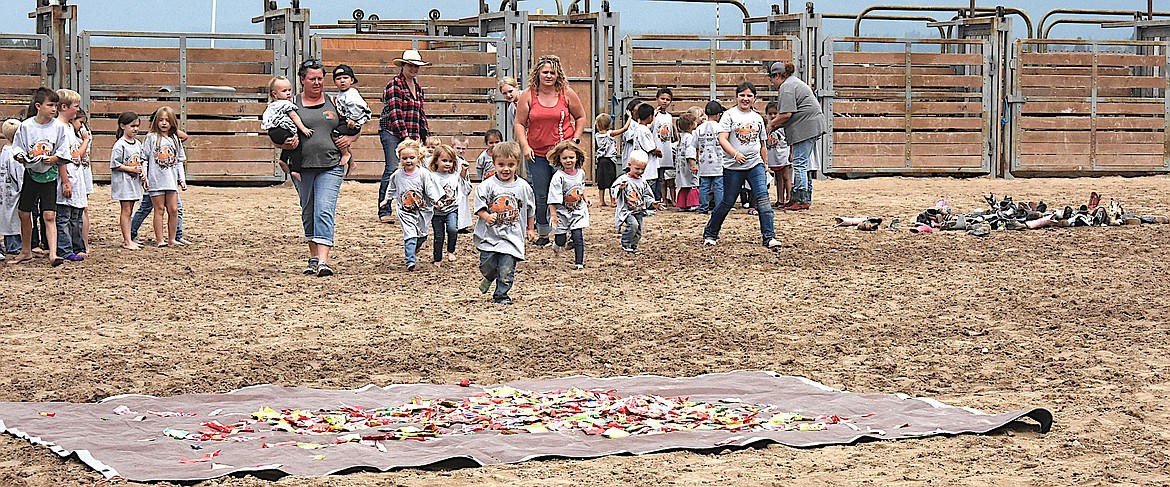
(344,70)
(714,108)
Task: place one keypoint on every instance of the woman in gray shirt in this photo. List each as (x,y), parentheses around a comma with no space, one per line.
(803,122)
(320,173)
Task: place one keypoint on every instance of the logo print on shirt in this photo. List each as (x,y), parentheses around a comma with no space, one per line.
(747,132)
(574,197)
(165,156)
(664,132)
(41,148)
(633,199)
(134,161)
(505,208)
(412,200)
(448,198)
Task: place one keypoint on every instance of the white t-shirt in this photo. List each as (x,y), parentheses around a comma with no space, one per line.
(642,139)
(710,154)
(514,204)
(747,136)
(777,149)
(663,129)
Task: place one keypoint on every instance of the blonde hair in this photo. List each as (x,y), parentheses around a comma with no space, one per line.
(408,144)
(554,60)
(272,86)
(639,156)
(439,151)
(510,81)
(9,128)
(435,139)
(603,121)
(460,138)
(506,150)
(68,97)
(554,155)
(158,115)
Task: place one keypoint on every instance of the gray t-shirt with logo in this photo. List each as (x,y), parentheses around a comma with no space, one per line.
(568,193)
(414,195)
(807,120)
(514,204)
(746,134)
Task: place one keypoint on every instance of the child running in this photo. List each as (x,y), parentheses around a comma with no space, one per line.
(350,105)
(11,177)
(506,207)
(603,141)
(41,145)
(414,193)
(567,207)
(164,174)
(453,189)
(484,168)
(710,159)
(633,196)
(126,173)
(282,121)
(72,198)
(778,161)
(686,168)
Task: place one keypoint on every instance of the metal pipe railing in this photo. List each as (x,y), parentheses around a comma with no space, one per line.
(970,11)
(1048,28)
(747,26)
(920,18)
(1150,13)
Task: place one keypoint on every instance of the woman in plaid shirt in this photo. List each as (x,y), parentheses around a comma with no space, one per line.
(403,117)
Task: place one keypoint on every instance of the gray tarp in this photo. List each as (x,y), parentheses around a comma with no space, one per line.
(138,450)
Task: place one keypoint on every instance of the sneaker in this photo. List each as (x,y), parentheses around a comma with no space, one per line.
(503,301)
(710,241)
(484,285)
(74,258)
(752,211)
(649,213)
(311,268)
(579,266)
(410,267)
(630,251)
(542,242)
(182,241)
(323,270)
(774,243)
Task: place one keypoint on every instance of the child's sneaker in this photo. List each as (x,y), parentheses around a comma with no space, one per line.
(311,268)
(752,211)
(504,301)
(649,213)
(710,241)
(410,267)
(774,243)
(484,285)
(579,266)
(630,251)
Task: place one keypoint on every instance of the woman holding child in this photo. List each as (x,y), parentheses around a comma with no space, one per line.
(318,179)
(548,112)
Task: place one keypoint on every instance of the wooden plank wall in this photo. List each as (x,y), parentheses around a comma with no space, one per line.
(20,77)
(574,45)
(1057,132)
(687,72)
(226,143)
(456,86)
(945,127)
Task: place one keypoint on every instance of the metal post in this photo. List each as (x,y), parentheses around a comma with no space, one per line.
(59,23)
(183,82)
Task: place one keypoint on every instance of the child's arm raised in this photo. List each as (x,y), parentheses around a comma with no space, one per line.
(296,118)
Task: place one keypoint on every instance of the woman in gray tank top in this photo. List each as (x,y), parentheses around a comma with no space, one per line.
(318,179)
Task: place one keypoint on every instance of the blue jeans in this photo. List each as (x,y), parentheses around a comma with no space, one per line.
(410,247)
(498,267)
(69,230)
(757,178)
(632,231)
(656,188)
(710,192)
(540,176)
(562,239)
(12,244)
(318,191)
(801,158)
(445,227)
(144,209)
(389,148)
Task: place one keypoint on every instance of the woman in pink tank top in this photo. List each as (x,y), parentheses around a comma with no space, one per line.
(548,112)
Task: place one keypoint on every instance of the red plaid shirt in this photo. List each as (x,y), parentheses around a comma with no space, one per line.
(403,114)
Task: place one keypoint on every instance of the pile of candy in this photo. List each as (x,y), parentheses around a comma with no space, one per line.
(507,410)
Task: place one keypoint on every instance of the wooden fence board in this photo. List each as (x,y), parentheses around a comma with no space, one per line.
(1084,123)
(194,55)
(1155,107)
(1085,59)
(723,54)
(145,108)
(1069,81)
(1104,137)
(916,123)
(173,67)
(895,81)
(19,83)
(252,83)
(332,57)
(899,58)
(898,107)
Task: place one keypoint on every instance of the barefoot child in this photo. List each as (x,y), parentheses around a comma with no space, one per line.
(146,207)
(126,173)
(686,169)
(413,193)
(164,174)
(72,198)
(282,121)
(606,145)
(484,167)
(453,189)
(633,196)
(778,158)
(506,207)
(11,177)
(350,106)
(41,145)
(567,207)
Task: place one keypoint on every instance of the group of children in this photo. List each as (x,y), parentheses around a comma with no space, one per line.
(47,179)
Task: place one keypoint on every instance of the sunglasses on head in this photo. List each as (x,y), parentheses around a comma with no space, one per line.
(311,63)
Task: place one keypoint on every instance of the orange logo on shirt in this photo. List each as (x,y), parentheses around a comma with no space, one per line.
(574,198)
(490,172)
(134,161)
(664,132)
(165,156)
(412,200)
(41,148)
(75,151)
(505,208)
(633,199)
(746,133)
(447,199)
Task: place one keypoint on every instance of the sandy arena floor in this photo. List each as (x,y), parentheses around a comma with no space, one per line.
(1068,319)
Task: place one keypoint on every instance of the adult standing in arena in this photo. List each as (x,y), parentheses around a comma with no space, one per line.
(403,117)
(548,112)
(319,174)
(803,122)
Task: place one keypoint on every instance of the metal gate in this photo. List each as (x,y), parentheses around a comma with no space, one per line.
(1082,107)
(26,61)
(458,85)
(218,94)
(907,106)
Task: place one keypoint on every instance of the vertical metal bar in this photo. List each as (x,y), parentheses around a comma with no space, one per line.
(825,85)
(1017,107)
(991,111)
(83,82)
(1093,108)
(183,82)
(502,70)
(908,118)
(714,56)
(1166,97)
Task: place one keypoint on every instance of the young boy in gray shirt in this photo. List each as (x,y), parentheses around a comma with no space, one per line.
(632,196)
(506,207)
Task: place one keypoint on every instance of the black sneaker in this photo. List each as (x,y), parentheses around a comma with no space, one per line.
(542,242)
(323,270)
(502,301)
(312,267)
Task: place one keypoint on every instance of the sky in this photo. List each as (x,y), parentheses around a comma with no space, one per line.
(638,16)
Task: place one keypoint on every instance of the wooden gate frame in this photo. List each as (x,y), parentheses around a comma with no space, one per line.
(827,93)
(280,66)
(45,45)
(1017,100)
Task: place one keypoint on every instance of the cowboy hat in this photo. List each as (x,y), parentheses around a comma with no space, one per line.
(412,57)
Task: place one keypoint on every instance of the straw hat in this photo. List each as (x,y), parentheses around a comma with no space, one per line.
(412,57)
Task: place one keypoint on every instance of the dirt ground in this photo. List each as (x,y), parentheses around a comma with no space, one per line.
(1067,319)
